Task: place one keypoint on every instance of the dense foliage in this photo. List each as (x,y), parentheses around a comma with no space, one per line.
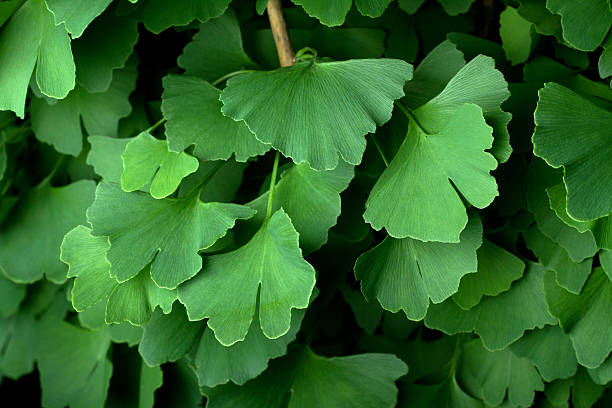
(417,212)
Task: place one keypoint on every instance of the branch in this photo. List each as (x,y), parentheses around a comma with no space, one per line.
(286,56)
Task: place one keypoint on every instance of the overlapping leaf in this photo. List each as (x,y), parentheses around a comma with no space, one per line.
(585,24)
(334,14)
(268,271)
(317,112)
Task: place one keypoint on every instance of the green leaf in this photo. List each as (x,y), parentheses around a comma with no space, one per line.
(59,123)
(296,108)
(69,360)
(605,258)
(447,394)
(31,39)
(516,35)
(372,8)
(308,380)
(12,295)
(217,364)
(454,7)
(410,6)
(311,199)
(269,270)
(367,314)
(497,269)
(151,379)
(168,337)
(215,50)
(76,15)
(159,14)
(570,275)
(404,202)
(585,24)
(605,60)
(602,374)
(146,158)
(571,133)
(329,14)
(168,232)
(552,362)
(490,375)
(7,8)
(406,273)
(545,22)
(18,336)
(193,112)
(583,316)
(105,157)
(100,52)
(32,234)
(499,320)
(579,245)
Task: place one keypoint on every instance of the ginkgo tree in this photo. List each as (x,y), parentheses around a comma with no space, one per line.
(306,203)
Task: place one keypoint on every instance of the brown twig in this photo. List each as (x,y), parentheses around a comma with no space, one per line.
(488,10)
(286,56)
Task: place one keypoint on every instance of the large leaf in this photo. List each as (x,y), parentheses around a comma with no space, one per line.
(406,273)
(59,122)
(146,158)
(585,317)
(193,112)
(31,39)
(499,320)
(572,133)
(317,112)
(268,271)
(308,380)
(311,199)
(585,24)
(168,232)
(426,176)
(31,236)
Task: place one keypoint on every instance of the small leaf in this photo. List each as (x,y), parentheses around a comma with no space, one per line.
(168,232)
(146,158)
(317,112)
(516,35)
(404,202)
(584,316)
(572,133)
(269,270)
(405,273)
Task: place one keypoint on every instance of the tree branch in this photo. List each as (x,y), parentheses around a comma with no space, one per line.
(286,56)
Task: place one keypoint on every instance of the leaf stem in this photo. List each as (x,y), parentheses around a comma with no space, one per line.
(411,116)
(380,150)
(197,189)
(156,125)
(272,185)
(231,74)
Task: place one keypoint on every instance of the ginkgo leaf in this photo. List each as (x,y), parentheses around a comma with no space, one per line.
(311,199)
(516,34)
(317,112)
(426,176)
(159,14)
(579,245)
(605,258)
(168,232)
(217,364)
(552,362)
(497,269)
(168,337)
(584,317)
(490,375)
(31,39)
(7,8)
(406,273)
(31,236)
(146,158)
(18,336)
(570,275)
(105,156)
(59,123)
(12,295)
(410,6)
(151,379)
(193,112)
(604,64)
(454,7)
(268,271)
(572,133)
(76,15)
(602,374)
(69,359)
(585,24)
(208,58)
(100,51)
(601,228)
(446,394)
(499,320)
(305,379)
(333,14)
